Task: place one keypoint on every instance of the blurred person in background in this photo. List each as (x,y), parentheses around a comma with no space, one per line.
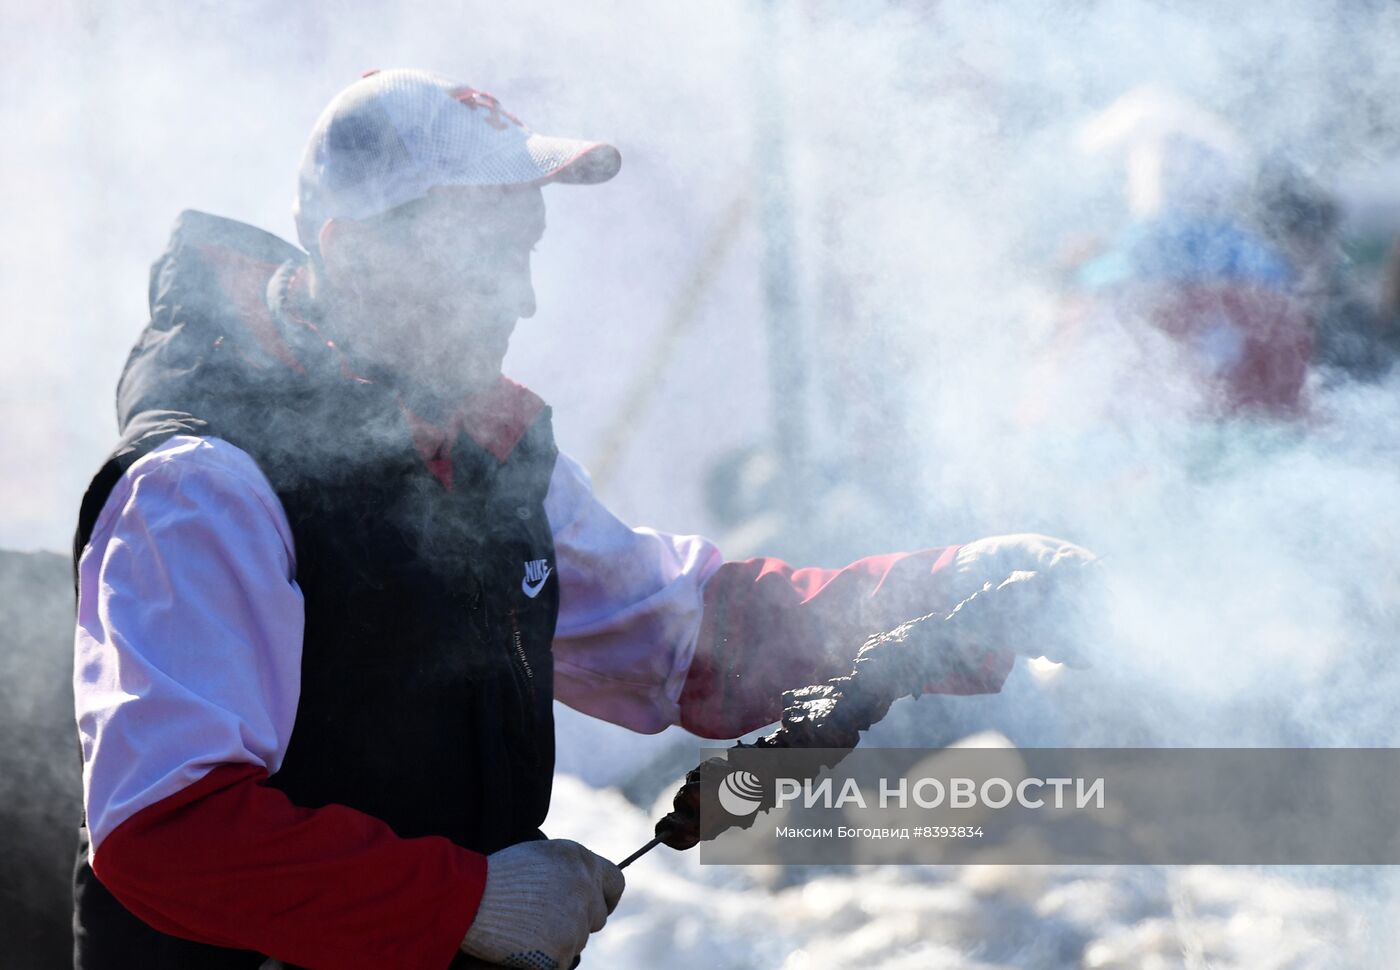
(1201,303)
(336,571)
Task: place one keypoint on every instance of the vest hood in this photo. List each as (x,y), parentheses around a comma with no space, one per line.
(231,351)
(213,339)
(236,348)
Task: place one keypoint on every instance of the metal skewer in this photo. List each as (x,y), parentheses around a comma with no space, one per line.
(639,853)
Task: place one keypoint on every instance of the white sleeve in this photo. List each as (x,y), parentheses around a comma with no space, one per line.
(630,602)
(188,643)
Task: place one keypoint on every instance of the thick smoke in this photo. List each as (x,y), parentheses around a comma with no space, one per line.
(945,179)
(1255,559)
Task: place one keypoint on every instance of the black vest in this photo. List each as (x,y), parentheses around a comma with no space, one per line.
(426,694)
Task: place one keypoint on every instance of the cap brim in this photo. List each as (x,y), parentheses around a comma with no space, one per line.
(578,162)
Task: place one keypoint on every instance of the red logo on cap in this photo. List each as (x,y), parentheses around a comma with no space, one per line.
(474,99)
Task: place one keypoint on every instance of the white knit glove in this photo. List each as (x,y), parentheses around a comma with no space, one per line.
(542,899)
(1034,595)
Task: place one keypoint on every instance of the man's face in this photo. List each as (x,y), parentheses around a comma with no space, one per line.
(433,290)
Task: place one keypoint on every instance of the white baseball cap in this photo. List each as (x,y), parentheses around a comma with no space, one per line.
(393,135)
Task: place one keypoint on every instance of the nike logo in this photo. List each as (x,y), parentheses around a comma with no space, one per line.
(536,575)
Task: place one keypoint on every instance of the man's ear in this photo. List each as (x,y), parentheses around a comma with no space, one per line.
(343,244)
(328,241)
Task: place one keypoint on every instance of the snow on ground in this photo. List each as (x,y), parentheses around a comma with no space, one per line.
(677,913)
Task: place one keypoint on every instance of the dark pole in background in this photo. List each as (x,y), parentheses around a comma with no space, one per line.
(787,365)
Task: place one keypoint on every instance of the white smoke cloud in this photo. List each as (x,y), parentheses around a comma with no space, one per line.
(934,177)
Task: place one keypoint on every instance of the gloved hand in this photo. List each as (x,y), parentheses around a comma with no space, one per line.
(542,900)
(1031,594)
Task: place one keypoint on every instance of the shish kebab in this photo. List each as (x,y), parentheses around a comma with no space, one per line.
(891,665)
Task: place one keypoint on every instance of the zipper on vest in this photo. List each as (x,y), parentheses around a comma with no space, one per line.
(522,661)
(526,693)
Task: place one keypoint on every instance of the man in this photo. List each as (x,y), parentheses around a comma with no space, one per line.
(336,572)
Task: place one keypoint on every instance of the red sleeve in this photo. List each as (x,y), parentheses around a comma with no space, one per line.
(232,862)
(768,627)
